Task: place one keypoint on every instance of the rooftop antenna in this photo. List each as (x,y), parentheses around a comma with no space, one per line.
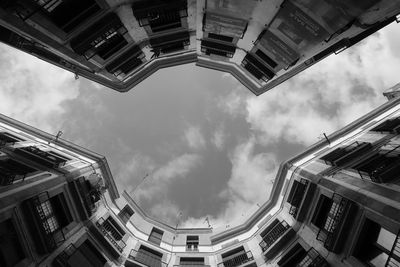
(55,139)
(136,187)
(179,216)
(326,137)
(208,222)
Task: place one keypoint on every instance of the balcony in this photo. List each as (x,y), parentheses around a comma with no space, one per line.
(337,223)
(257,68)
(46,227)
(104,38)
(169,43)
(274,234)
(236,259)
(84,255)
(8,139)
(85,197)
(160,15)
(345,155)
(48,159)
(12,171)
(313,258)
(380,167)
(391,126)
(209,47)
(296,196)
(128,61)
(147,258)
(394,255)
(111,233)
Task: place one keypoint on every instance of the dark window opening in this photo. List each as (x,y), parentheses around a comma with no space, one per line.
(160,15)
(220,37)
(236,257)
(11,252)
(321,211)
(7,138)
(169,43)
(126,213)
(84,255)
(12,171)
(192,242)
(293,256)
(48,159)
(209,47)
(192,261)
(344,155)
(266,58)
(126,62)
(377,246)
(273,234)
(104,38)
(388,126)
(256,68)
(156,236)
(296,195)
(147,256)
(112,227)
(65,14)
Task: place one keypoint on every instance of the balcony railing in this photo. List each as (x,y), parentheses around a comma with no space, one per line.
(394,256)
(236,259)
(110,233)
(146,258)
(47,159)
(191,265)
(274,234)
(335,219)
(44,225)
(311,259)
(296,196)
(62,259)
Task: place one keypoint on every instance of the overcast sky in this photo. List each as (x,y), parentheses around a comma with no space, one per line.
(209,146)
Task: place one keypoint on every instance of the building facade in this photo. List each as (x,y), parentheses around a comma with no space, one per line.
(120,43)
(335,204)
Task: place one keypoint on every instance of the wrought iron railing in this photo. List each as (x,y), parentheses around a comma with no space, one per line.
(50,230)
(394,256)
(297,196)
(334,218)
(110,233)
(274,234)
(146,258)
(236,259)
(62,259)
(311,259)
(191,265)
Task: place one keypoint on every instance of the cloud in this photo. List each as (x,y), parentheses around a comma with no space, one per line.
(250,184)
(194,138)
(219,138)
(34,91)
(156,184)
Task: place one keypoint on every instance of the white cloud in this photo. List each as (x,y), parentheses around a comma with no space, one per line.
(160,177)
(219,138)
(34,91)
(194,138)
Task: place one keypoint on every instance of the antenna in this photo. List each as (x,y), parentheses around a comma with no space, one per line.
(208,222)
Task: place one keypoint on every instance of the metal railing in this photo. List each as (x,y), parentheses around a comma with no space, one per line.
(146,258)
(236,259)
(297,197)
(394,256)
(191,265)
(111,234)
(62,259)
(274,234)
(312,258)
(53,234)
(334,218)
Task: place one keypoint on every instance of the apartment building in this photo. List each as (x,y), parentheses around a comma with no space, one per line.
(120,43)
(335,204)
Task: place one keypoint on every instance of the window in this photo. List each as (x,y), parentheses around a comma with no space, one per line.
(192,242)
(192,261)
(147,256)
(321,211)
(126,213)
(12,171)
(6,138)
(272,233)
(344,155)
(112,227)
(49,159)
(156,236)
(388,126)
(377,246)
(236,257)
(11,252)
(85,254)
(296,195)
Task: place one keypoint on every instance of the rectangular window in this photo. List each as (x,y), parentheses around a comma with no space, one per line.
(126,213)
(11,252)
(192,242)
(156,236)
(236,257)
(147,256)
(344,155)
(7,138)
(273,234)
(112,227)
(12,171)
(377,246)
(388,126)
(192,261)
(49,159)
(321,211)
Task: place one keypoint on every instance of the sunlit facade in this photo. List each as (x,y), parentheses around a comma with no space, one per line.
(120,43)
(336,204)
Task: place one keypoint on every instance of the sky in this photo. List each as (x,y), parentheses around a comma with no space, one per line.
(194,141)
